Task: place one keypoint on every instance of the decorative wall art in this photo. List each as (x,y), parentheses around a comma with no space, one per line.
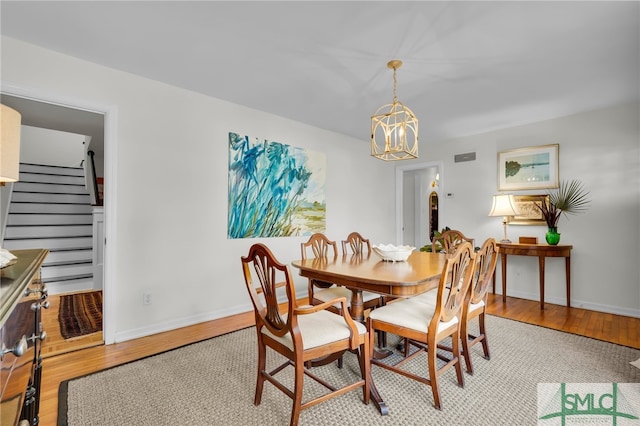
(528,213)
(275,190)
(528,168)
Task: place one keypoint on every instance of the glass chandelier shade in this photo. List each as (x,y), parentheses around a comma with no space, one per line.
(394,127)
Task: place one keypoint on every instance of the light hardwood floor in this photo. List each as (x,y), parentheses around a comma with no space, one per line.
(613,328)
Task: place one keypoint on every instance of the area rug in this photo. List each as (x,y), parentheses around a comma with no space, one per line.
(213,382)
(80,314)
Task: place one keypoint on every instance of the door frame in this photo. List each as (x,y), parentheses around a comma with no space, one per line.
(110,113)
(400,174)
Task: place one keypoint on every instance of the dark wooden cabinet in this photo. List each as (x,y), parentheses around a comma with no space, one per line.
(22,298)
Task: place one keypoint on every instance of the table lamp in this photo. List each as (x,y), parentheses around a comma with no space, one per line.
(505,206)
(10,120)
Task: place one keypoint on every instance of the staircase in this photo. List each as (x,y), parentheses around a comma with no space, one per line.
(51,208)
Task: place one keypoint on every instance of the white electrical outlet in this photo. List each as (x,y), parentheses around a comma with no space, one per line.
(146,298)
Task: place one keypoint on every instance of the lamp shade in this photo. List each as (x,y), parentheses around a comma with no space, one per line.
(9,144)
(503,205)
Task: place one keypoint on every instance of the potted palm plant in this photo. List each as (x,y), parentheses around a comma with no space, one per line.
(569,198)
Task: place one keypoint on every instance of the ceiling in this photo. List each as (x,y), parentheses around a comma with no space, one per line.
(469,67)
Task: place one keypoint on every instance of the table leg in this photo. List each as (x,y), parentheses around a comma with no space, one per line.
(568,272)
(357,313)
(503,262)
(541,272)
(356,308)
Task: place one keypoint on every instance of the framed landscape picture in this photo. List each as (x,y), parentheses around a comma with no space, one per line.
(528,168)
(528,213)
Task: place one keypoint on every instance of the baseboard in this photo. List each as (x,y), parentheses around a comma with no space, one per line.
(617,310)
(180,323)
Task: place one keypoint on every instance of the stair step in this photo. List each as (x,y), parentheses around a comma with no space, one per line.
(49,243)
(64,269)
(44,197)
(66,278)
(51,178)
(70,255)
(70,284)
(52,170)
(54,188)
(22,219)
(30,207)
(14,232)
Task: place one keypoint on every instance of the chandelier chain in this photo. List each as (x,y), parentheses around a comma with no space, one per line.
(395,87)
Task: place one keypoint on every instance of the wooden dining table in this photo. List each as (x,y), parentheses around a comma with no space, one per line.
(418,274)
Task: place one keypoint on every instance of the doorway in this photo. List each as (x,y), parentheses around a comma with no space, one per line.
(96,121)
(415,185)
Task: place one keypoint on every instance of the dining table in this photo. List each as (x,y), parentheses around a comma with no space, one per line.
(369,272)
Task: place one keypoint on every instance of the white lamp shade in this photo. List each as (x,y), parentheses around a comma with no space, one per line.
(9,144)
(503,205)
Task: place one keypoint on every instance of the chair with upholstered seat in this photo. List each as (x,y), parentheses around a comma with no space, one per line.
(357,245)
(449,240)
(425,325)
(320,291)
(475,302)
(300,334)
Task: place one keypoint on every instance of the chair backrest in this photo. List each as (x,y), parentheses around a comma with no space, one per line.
(321,247)
(454,284)
(266,280)
(449,241)
(357,243)
(486,259)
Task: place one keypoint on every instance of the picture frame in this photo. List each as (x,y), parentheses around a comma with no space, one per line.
(528,168)
(528,213)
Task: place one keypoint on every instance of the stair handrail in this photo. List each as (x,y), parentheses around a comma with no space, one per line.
(91,154)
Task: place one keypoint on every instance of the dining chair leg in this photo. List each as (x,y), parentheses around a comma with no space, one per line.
(297,393)
(483,333)
(262,362)
(433,377)
(455,346)
(466,353)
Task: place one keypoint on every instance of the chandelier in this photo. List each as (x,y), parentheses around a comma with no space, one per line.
(394,127)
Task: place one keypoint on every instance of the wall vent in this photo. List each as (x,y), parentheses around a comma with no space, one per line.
(469,156)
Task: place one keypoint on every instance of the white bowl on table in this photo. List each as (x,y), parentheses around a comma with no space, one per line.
(391,253)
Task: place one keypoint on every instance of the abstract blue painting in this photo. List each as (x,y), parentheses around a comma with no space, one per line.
(275,190)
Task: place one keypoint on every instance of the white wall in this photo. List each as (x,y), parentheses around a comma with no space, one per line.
(169,235)
(169,154)
(601,148)
(53,147)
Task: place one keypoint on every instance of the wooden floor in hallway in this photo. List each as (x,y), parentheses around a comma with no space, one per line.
(55,344)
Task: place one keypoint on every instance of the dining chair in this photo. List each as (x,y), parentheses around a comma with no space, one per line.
(300,334)
(425,325)
(321,291)
(357,245)
(449,240)
(475,303)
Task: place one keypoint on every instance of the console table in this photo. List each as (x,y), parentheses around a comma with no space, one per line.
(22,297)
(541,251)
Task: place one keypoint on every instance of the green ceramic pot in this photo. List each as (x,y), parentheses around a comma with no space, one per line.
(552,236)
